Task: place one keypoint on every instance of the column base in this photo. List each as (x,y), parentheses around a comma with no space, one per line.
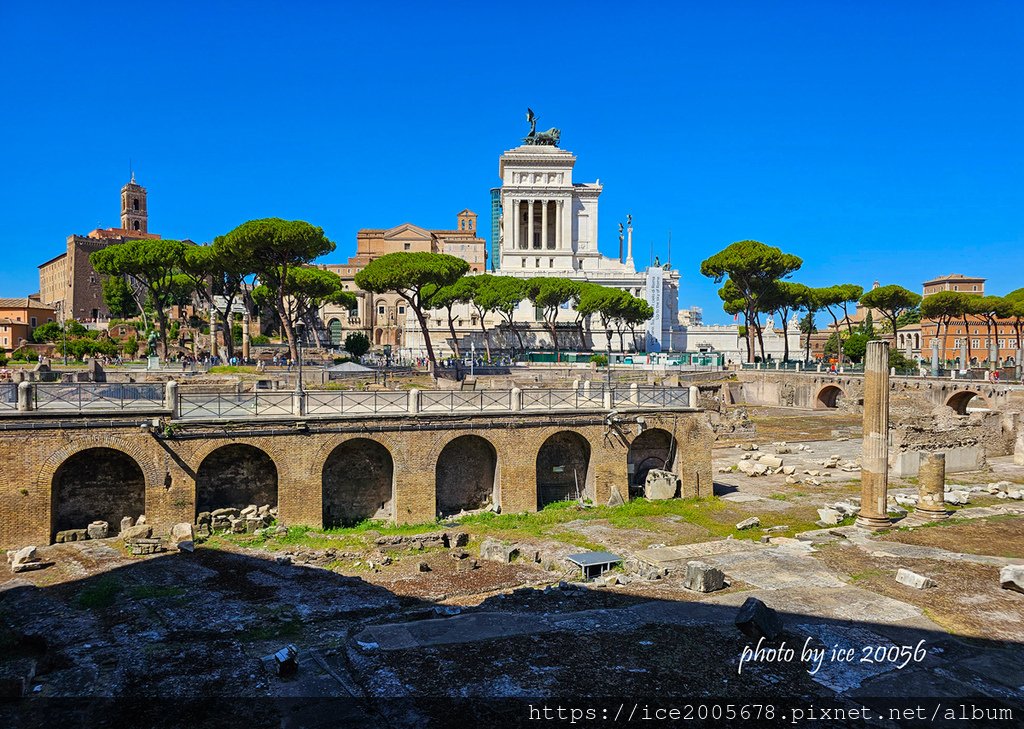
(924,516)
(873,523)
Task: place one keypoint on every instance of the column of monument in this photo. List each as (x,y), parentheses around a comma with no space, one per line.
(875,456)
(529,226)
(544,224)
(931,477)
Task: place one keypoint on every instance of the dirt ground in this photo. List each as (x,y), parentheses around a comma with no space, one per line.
(100,622)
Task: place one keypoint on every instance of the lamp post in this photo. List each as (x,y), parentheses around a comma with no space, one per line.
(300,335)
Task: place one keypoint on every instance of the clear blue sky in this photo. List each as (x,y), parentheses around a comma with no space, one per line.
(874,139)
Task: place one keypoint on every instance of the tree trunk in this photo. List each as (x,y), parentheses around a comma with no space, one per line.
(810,326)
(967,328)
(785,337)
(426,334)
(229,337)
(760,338)
(487,339)
(451,328)
(161,318)
(554,335)
(748,315)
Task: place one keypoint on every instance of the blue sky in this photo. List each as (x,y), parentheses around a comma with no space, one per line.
(875,140)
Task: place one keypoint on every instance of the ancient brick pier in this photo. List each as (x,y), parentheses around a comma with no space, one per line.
(63,471)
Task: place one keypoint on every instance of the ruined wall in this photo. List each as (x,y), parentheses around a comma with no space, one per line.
(563,465)
(466,475)
(98,484)
(358,483)
(236,476)
(170,463)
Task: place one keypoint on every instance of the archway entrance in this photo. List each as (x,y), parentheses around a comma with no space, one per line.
(466,477)
(654,448)
(967,402)
(97,484)
(235,476)
(830,397)
(358,483)
(563,464)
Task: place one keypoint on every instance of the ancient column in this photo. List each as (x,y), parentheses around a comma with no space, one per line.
(931,488)
(629,244)
(874,472)
(514,228)
(213,332)
(544,224)
(529,225)
(935,357)
(246,323)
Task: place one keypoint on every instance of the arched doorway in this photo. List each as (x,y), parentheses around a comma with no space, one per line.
(563,464)
(967,402)
(97,484)
(830,396)
(235,476)
(358,483)
(466,477)
(335,327)
(654,448)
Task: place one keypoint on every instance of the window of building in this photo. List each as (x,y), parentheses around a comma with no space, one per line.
(975,343)
(536,263)
(380,310)
(135,203)
(401,309)
(551,263)
(135,225)
(407,246)
(33,320)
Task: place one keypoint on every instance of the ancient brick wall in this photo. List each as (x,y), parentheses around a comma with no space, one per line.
(300,451)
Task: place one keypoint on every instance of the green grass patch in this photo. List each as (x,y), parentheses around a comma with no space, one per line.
(779,497)
(99,595)
(233,370)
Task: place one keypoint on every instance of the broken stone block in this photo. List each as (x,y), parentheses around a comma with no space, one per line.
(756,620)
(789,470)
(829,517)
(204,517)
(282,559)
(224,512)
(702,577)
(1011,577)
(71,535)
(846,509)
(423,567)
(958,498)
(186,545)
(140,520)
(97,530)
(182,532)
(770,461)
(791,480)
(749,523)
(251,509)
(661,485)
(139,531)
(465,565)
(126,523)
(495,551)
(25,559)
(615,499)
(912,579)
(140,545)
(746,467)
(759,469)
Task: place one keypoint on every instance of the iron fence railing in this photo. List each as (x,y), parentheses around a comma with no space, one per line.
(83,396)
(234,405)
(357,403)
(8,395)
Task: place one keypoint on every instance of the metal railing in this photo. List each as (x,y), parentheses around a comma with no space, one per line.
(450,401)
(8,395)
(356,403)
(84,396)
(234,405)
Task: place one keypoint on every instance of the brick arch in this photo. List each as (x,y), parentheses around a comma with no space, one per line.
(238,482)
(959,401)
(328,446)
(151,468)
(563,467)
(827,396)
(467,472)
(357,481)
(273,446)
(654,448)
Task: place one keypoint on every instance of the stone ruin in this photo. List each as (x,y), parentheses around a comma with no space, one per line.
(236,521)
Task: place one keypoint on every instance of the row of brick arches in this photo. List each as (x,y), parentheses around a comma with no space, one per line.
(963,402)
(358,478)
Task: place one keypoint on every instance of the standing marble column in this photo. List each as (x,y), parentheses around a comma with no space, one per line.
(544,224)
(213,332)
(246,323)
(529,226)
(931,477)
(874,472)
(935,357)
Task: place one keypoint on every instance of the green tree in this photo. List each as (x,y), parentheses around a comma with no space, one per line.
(838,298)
(273,247)
(413,276)
(550,294)
(52,331)
(752,266)
(993,309)
(117,295)
(892,302)
(637,312)
(153,263)
(220,279)
(856,346)
(474,285)
(503,295)
(782,297)
(446,297)
(943,307)
(357,344)
(131,346)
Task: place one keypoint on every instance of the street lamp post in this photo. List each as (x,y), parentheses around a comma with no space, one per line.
(300,335)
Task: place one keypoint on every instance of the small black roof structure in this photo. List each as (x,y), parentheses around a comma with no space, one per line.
(588,561)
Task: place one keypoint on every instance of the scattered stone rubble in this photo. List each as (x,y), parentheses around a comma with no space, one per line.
(236,521)
(702,577)
(912,579)
(756,620)
(24,560)
(1011,577)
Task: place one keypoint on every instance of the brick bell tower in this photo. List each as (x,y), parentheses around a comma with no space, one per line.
(133,207)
